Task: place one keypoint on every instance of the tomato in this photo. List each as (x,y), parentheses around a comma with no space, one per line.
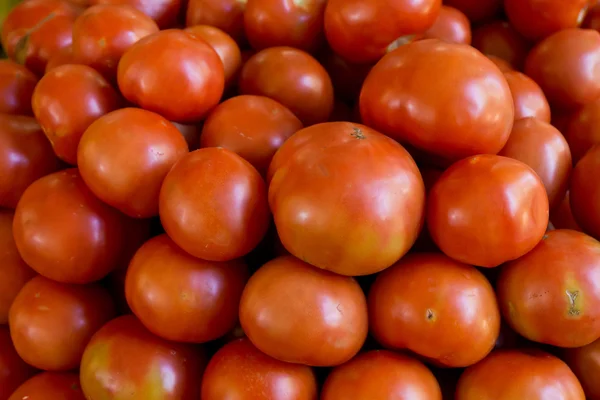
(502,215)
(566,65)
(213,204)
(262,126)
(63,119)
(240,371)
(65,233)
(542,147)
(300,314)
(346,198)
(583,129)
(227,15)
(50,386)
(164,12)
(585,363)
(381,374)
(562,217)
(477,10)
(500,39)
(585,192)
(469,111)
(13,370)
(293,78)
(529,99)
(103,33)
(361,32)
(347,78)
(173,74)
(426,302)
(62,57)
(16,88)
(451,26)
(125,361)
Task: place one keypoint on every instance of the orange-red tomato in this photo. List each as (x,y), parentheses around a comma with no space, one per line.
(381,374)
(227,15)
(254,127)
(240,371)
(173,74)
(451,26)
(562,217)
(585,363)
(50,386)
(585,192)
(529,99)
(164,12)
(13,370)
(500,39)
(502,215)
(346,198)
(426,302)
(62,57)
(583,129)
(551,294)
(16,88)
(477,10)
(300,314)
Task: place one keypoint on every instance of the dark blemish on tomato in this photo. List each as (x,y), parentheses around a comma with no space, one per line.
(429,314)
(358,133)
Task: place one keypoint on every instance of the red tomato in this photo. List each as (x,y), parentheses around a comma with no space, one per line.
(346,198)
(164,12)
(173,74)
(50,386)
(513,374)
(585,363)
(362,31)
(125,361)
(585,192)
(13,370)
(62,57)
(16,88)
(562,217)
(260,126)
(469,111)
(240,371)
(500,39)
(381,374)
(293,78)
(502,215)
(347,78)
(227,15)
(529,99)
(551,295)
(477,10)
(451,26)
(213,204)
(300,314)
(426,302)
(583,129)
(566,65)
(65,233)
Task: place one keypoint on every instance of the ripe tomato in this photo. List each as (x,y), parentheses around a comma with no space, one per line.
(583,129)
(173,74)
(240,371)
(362,32)
(103,33)
(293,78)
(425,303)
(261,125)
(477,10)
(562,217)
(381,374)
(61,57)
(470,111)
(300,314)
(529,99)
(16,88)
(502,215)
(227,15)
(500,39)
(164,12)
(213,204)
(13,370)
(451,26)
(585,363)
(551,295)
(346,198)
(566,65)
(514,374)
(123,360)
(585,192)
(50,386)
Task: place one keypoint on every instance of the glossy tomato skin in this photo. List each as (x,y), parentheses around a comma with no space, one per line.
(213,204)
(13,370)
(346,198)
(65,233)
(583,129)
(262,126)
(300,314)
(528,97)
(477,10)
(227,15)
(425,303)
(456,216)
(381,374)
(519,374)
(25,156)
(293,78)
(500,39)
(451,26)
(566,65)
(50,386)
(560,307)
(160,369)
(584,362)
(585,193)
(16,88)
(164,12)
(361,32)
(173,74)
(240,371)
(451,120)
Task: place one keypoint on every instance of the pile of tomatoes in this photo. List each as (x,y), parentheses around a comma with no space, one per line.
(300,200)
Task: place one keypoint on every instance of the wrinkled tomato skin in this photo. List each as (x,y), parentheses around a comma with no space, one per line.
(583,129)
(528,97)
(381,374)
(50,386)
(161,370)
(227,15)
(164,12)
(451,26)
(16,88)
(585,193)
(13,370)
(346,198)
(361,32)
(456,216)
(477,10)
(241,371)
(174,59)
(452,122)
(425,304)
(500,39)
(562,216)
(300,314)
(561,308)
(584,362)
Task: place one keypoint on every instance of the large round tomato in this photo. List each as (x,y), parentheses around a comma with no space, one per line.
(227,15)
(240,371)
(16,88)
(477,10)
(583,129)
(300,314)
(585,192)
(164,12)
(125,361)
(13,370)
(585,363)
(50,386)
(551,294)
(529,99)
(468,111)
(486,210)
(346,198)
(451,26)
(500,39)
